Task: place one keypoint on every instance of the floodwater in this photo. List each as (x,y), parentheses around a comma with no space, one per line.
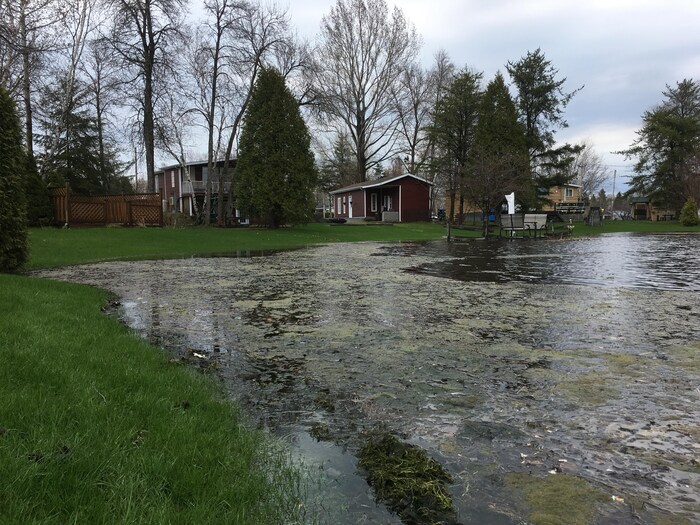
(539,357)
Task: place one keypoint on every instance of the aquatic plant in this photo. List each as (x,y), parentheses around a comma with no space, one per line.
(407,480)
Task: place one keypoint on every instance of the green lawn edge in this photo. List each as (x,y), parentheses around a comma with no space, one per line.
(97,426)
(51,247)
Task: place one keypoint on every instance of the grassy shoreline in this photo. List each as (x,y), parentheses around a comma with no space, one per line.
(96,426)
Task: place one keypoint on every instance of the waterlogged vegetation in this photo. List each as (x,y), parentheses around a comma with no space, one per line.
(410,482)
(558,499)
(572,364)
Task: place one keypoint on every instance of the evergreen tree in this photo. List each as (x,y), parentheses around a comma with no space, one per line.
(454,123)
(275,171)
(37,193)
(13,210)
(340,167)
(689,213)
(499,156)
(667,147)
(71,142)
(541,102)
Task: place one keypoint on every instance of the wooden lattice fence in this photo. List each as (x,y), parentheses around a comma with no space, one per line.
(138,209)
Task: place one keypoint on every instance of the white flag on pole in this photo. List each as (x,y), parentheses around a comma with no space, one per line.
(511,203)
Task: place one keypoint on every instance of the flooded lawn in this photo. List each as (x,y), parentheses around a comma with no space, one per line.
(541,375)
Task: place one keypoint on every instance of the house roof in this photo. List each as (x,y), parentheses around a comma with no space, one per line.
(378,182)
(640,200)
(193,163)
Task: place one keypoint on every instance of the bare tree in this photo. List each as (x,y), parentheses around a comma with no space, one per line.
(76,26)
(10,52)
(235,41)
(589,170)
(143,34)
(414,105)
(364,51)
(441,76)
(103,80)
(27,35)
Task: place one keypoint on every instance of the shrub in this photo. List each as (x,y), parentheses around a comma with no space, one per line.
(689,213)
(13,208)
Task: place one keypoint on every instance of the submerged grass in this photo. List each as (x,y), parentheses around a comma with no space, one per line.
(96,426)
(558,499)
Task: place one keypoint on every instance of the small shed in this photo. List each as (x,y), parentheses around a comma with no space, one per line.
(645,209)
(396,198)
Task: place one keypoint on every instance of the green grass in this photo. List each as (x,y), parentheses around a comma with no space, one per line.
(57,247)
(96,426)
(51,247)
(581,229)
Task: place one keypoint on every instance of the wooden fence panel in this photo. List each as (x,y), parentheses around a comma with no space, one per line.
(60,205)
(130,210)
(87,210)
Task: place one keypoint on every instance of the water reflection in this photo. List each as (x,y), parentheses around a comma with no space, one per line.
(667,262)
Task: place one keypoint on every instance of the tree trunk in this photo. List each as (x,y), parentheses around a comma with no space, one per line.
(26,84)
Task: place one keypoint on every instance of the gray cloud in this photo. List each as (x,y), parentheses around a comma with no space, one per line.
(624,51)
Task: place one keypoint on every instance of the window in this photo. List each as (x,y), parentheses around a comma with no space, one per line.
(344,205)
(569,192)
(387,203)
(172,179)
(373,202)
(337,206)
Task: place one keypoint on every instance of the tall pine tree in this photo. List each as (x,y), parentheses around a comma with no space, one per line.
(275,173)
(668,146)
(541,102)
(452,132)
(13,210)
(499,157)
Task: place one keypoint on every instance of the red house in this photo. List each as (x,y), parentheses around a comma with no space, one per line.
(402,198)
(182,185)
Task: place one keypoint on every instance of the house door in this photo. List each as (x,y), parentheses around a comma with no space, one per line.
(350,207)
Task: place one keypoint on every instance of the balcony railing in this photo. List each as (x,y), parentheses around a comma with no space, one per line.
(200,186)
(570,207)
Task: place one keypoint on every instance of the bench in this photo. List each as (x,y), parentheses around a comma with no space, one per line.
(535,222)
(529,223)
(512,223)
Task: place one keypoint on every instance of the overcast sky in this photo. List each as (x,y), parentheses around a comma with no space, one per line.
(623,51)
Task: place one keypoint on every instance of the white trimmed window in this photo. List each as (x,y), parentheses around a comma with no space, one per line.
(568,192)
(373,202)
(337,206)
(387,203)
(344,201)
